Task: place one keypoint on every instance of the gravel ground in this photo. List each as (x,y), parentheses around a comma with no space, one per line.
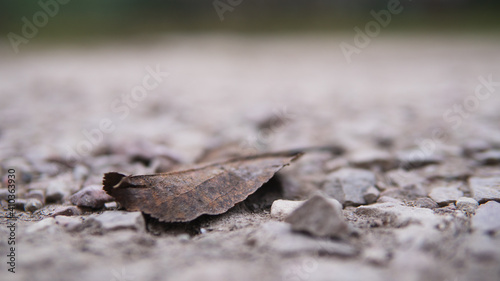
(414,122)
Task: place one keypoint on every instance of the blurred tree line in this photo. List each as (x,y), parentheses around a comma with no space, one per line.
(138,17)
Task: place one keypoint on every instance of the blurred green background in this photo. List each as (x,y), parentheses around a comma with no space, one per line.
(129,18)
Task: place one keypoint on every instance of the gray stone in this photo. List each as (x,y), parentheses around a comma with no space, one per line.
(32,205)
(367,159)
(425,202)
(56,191)
(377,256)
(69,223)
(457,169)
(279,237)
(80,173)
(487,217)
(116,220)
(404,179)
(41,225)
(36,194)
(445,195)
(483,247)
(467,204)
(283,208)
(490,157)
(484,189)
(348,185)
(91,196)
(4,194)
(20,203)
(475,145)
(397,215)
(415,158)
(371,195)
(319,216)
(67,211)
(388,199)
(335,164)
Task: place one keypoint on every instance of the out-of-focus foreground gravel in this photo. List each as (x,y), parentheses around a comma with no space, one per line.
(421,141)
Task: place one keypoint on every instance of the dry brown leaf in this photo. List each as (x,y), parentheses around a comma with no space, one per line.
(182,196)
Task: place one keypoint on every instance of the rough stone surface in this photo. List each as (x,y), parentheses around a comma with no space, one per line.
(36,194)
(445,195)
(407,180)
(388,199)
(56,191)
(4,194)
(453,170)
(367,159)
(69,223)
(91,196)
(348,185)
(41,225)
(283,208)
(32,205)
(425,203)
(319,216)
(411,159)
(467,204)
(487,217)
(485,188)
(472,146)
(371,194)
(67,211)
(279,237)
(117,220)
(397,215)
(490,157)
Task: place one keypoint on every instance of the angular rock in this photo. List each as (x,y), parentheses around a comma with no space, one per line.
(20,203)
(388,199)
(452,170)
(425,202)
(467,205)
(476,145)
(483,248)
(371,195)
(41,225)
(319,216)
(67,211)
(4,194)
(399,216)
(404,179)
(32,205)
(348,185)
(367,159)
(56,191)
(91,196)
(445,195)
(485,189)
(116,220)
(69,223)
(279,237)
(487,217)
(335,164)
(36,194)
(283,208)
(416,158)
(490,157)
